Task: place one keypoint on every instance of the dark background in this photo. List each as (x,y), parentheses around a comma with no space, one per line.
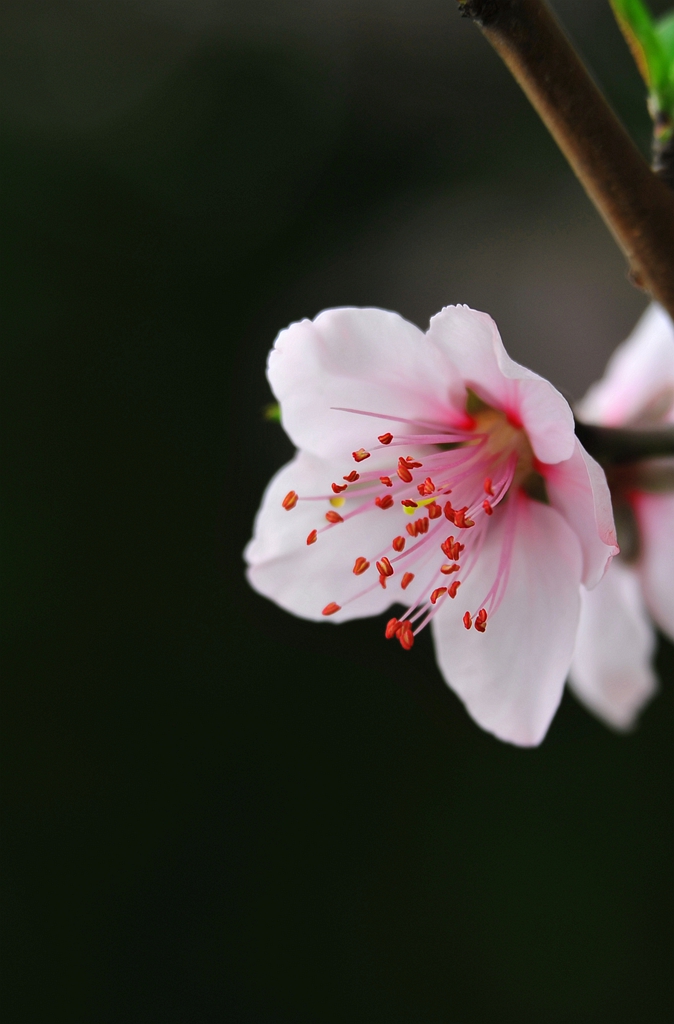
(214,811)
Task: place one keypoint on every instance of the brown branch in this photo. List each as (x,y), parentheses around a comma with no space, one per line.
(636,205)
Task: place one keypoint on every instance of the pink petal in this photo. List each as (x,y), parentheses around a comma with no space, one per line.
(639,379)
(577,488)
(472,341)
(511,678)
(611,669)
(366,359)
(655,515)
(303,578)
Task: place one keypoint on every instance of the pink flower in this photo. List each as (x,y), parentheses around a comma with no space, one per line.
(611,669)
(435,472)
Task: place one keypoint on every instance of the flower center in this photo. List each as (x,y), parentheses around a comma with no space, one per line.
(426,478)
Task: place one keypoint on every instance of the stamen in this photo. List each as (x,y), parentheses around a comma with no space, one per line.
(382,581)
(447,570)
(405,635)
(385,502)
(337,488)
(337,502)
(481,620)
(333,517)
(352,477)
(386,480)
(385,438)
(360,455)
(385,568)
(434,510)
(408,503)
(404,473)
(391,627)
(398,543)
(467,621)
(406,580)
(426,488)
(361,566)
(488,489)
(487,508)
(331,608)
(311,539)
(454,587)
(438,592)
(290,500)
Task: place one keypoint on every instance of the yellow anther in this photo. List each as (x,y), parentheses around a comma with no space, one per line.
(337,502)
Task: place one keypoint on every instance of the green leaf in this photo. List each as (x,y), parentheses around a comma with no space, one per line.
(652,46)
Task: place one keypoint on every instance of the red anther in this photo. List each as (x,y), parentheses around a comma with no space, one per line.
(448,547)
(311,539)
(438,592)
(331,608)
(434,510)
(426,488)
(385,502)
(488,489)
(337,488)
(385,438)
(408,503)
(386,480)
(352,477)
(487,508)
(391,627)
(467,621)
(460,518)
(447,570)
(406,580)
(333,517)
(404,473)
(410,462)
(405,635)
(449,512)
(385,568)
(382,581)
(421,525)
(398,543)
(290,500)
(360,455)
(454,587)
(361,566)
(410,529)
(481,620)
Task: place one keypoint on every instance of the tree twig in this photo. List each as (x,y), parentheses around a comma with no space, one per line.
(616,446)
(636,205)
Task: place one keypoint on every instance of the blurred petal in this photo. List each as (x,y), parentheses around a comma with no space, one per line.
(611,669)
(655,515)
(511,678)
(473,343)
(365,359)
(303,578)
(639,381)
(577,488)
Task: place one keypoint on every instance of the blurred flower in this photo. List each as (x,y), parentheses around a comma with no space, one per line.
(433,469)
(611,669)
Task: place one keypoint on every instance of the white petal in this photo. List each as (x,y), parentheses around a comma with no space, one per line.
(577,488)
(655,515)
(639,379)
(511,678)
(611,669)
(473,343)
(303,578)
(365,359)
